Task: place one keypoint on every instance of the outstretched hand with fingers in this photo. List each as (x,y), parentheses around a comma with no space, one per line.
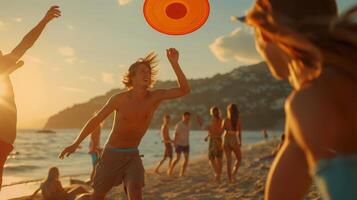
(52,13)
(68,151)
(172,55)
(8,64)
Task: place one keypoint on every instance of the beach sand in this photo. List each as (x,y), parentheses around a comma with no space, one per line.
(197,183)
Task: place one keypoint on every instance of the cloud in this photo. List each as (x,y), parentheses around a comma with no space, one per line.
(55,69)
(70,55)
(72,89)
(18,19)
(108,78)
(82,61)
(70,27)
(71,60)
(9,21)
(124,2)
(32,60)
(2,25)
(239,46)
(88,78)
(67,51)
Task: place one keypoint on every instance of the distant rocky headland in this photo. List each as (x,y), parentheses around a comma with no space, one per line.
(258,95)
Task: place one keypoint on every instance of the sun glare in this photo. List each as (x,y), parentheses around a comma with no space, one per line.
(4,89)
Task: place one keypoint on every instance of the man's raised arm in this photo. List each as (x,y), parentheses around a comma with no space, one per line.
(29,40)
(184,87)
(10,62)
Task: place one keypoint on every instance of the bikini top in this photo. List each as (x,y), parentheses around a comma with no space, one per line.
(336,178)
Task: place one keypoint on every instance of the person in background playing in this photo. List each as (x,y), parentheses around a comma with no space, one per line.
(8,64)
(232,140)
(215,148)
(94,149)
(165,136)
(182,143)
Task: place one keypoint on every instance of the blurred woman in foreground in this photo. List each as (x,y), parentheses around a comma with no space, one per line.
(307,43)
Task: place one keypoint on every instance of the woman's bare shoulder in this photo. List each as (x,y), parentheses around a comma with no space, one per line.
(311,98)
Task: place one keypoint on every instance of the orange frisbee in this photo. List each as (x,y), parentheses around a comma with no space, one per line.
(176,17)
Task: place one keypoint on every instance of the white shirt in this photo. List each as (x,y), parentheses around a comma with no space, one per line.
(181,134)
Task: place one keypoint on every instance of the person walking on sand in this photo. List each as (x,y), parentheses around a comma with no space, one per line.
(8,64)
(165,136)
(181,142)
(215,148)
(232,140)
(309,44)
(120,161)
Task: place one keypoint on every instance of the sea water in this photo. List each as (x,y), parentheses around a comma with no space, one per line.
(34,153)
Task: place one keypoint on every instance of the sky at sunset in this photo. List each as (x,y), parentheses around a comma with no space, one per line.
(86,52)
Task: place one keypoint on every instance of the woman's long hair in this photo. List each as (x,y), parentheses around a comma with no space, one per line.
(53,174)
(311,32)
(233,115)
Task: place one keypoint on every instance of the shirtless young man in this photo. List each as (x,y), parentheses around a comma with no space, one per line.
(215,147)
(165,136)
(8,64)
(134,109)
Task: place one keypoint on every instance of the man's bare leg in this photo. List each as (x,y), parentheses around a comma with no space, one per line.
(160,163)
(184,164)
(178,157)
(219,169)
(134,191)
(213,165)
(170,163)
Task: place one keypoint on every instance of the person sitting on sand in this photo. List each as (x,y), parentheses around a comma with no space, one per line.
(165,136)
(182,143)
(8,64)
(232,140)
(215,148)
(307,43)
(120,161)
(94,149)
(52,189)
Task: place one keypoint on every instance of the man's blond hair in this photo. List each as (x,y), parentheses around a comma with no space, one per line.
(150,61)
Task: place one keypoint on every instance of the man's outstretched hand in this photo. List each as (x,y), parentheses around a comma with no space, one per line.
(68,151)
(52,13)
